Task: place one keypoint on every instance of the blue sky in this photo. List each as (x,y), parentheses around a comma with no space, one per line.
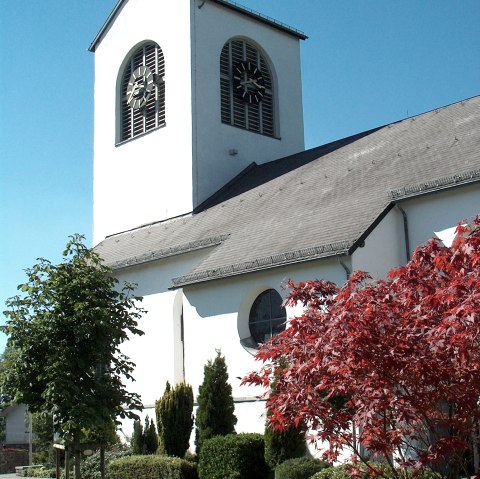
(366,63)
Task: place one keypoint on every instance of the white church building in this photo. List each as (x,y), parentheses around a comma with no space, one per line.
(206,198)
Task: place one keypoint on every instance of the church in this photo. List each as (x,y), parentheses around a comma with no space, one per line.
(205,196)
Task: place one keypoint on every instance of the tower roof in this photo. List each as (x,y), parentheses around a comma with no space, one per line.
(225,3)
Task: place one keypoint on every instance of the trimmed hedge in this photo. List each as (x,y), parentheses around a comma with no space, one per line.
(90,466)
(38,472)
(234,456)
(152,467)
(300,468)
(342,472)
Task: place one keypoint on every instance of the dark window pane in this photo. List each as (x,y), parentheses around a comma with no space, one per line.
(267,316)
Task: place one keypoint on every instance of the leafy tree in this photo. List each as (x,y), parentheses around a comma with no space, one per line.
(402,354)
(215,412)
(66,332)
(286,444)
(175,419)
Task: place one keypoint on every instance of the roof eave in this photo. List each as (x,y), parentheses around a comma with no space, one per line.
(108,21)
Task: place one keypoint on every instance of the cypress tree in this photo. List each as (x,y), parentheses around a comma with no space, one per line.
(215,412)
(150,439)
(175,419)
(137,438)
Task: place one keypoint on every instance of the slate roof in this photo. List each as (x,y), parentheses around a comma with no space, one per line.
(317,203)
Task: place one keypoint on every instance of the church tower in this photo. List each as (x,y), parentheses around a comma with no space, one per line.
(188,93)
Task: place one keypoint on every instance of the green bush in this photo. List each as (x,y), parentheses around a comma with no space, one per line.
(342,472)
(38,472)
(334,472)
(175,419)
(90,467)
(283,445)
(234,456)
(151,467)
(299,468)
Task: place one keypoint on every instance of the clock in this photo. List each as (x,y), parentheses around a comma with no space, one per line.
(140,87)
(248,82)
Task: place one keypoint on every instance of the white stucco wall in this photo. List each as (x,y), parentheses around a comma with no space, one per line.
(211,321)
(383,249)
(149,178)
(212,27)
(439,211)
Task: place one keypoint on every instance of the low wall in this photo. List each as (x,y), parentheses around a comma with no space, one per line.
(9,458)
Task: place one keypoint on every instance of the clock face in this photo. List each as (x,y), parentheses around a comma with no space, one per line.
(248,82)
(140,87)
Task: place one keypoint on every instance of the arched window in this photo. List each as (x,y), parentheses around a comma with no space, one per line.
(142,94)
(267,316)
(246,88)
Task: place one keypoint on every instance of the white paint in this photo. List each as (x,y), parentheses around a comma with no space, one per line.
(383,249)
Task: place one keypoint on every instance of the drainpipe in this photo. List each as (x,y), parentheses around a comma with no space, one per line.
(405,231)
(346,268)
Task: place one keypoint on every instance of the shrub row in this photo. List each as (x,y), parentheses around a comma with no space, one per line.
(300,468)
(342,472)
(38,472)
(152,467)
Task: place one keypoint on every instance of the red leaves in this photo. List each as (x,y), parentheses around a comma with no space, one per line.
(399,357)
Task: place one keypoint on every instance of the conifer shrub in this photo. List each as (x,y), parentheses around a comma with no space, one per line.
(235,456)
(144,438)
(215,413)
(153,466)
(174,411)
(299,468)
(150,438)
(137,440)
(283,445)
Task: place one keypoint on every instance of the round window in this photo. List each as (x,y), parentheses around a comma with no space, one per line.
(267,316)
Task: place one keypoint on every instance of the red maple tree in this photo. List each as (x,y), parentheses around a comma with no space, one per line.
(387,368)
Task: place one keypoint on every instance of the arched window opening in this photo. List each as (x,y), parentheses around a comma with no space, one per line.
(246,88)
(142,94)
(267,316)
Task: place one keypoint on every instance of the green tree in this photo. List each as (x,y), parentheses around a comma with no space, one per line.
(144,438)
(175,419)
(215,412)
(66,331)
(138,439)
(150,438)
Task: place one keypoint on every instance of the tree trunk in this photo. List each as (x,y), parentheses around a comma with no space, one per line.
(102,462)
(77,453)
(67,464)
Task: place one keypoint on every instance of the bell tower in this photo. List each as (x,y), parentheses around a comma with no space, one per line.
(188,93)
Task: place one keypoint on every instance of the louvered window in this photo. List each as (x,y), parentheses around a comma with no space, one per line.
(137,121)
(258,117)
